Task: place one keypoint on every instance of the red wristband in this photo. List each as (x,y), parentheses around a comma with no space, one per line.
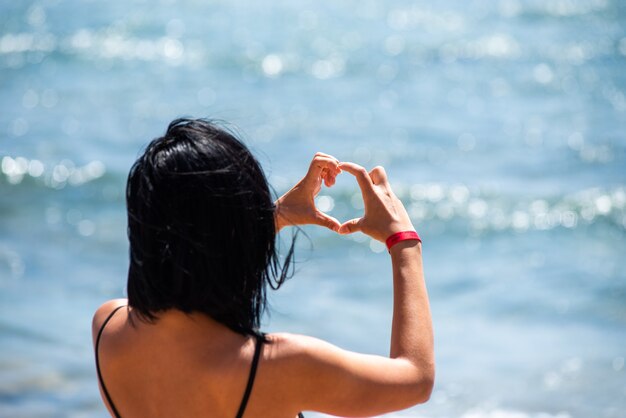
(401,236)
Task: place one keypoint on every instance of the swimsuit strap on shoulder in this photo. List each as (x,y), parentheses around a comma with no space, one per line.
(255,362)
(104,388)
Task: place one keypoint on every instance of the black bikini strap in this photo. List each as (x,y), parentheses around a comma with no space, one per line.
(255,362)
(104,388)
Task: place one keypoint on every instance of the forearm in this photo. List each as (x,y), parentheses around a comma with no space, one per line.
(412,333)
(282,215)
(278,220)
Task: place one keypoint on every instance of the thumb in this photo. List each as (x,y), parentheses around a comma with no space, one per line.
(353,225)
(328,221)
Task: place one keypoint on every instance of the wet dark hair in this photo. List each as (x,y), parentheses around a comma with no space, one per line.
(201,228)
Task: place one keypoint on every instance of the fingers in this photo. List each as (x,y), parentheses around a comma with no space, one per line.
(323,162)
(328,221)
(322,154)
(361,174)
(328,177)
(353,225)
(325,167)
(378,175)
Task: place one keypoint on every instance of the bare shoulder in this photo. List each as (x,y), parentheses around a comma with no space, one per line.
(103,312)
(297,348)
(290,343)
(290,362)
(295,356)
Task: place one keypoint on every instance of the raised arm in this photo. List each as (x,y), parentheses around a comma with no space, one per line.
(325,378)
(412,335)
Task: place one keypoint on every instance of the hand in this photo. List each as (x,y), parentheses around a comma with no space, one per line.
(384,212)
(297,206)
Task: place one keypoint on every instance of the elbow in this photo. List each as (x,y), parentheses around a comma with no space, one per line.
(425,390)
(418,392)
(423,387)
(418,386)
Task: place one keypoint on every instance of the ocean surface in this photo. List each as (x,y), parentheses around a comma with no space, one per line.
(502,126)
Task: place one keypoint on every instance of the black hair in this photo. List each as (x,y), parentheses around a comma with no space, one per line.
(201,228)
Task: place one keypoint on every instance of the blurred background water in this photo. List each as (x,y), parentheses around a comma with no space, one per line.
(502,125)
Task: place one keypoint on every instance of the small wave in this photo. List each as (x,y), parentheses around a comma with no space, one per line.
(55,176)
(490,211)
(456,207)
(554,8)
(105,44)
(507,413)
(477,413)
(453,204)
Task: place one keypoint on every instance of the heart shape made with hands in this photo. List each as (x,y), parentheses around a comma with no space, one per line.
(384,214)
(298,206)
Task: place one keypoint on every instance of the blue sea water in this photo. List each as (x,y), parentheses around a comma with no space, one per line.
(502,126)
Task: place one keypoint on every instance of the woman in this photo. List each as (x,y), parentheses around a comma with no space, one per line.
(202,229)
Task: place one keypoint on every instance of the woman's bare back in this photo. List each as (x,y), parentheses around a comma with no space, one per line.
(183,365)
